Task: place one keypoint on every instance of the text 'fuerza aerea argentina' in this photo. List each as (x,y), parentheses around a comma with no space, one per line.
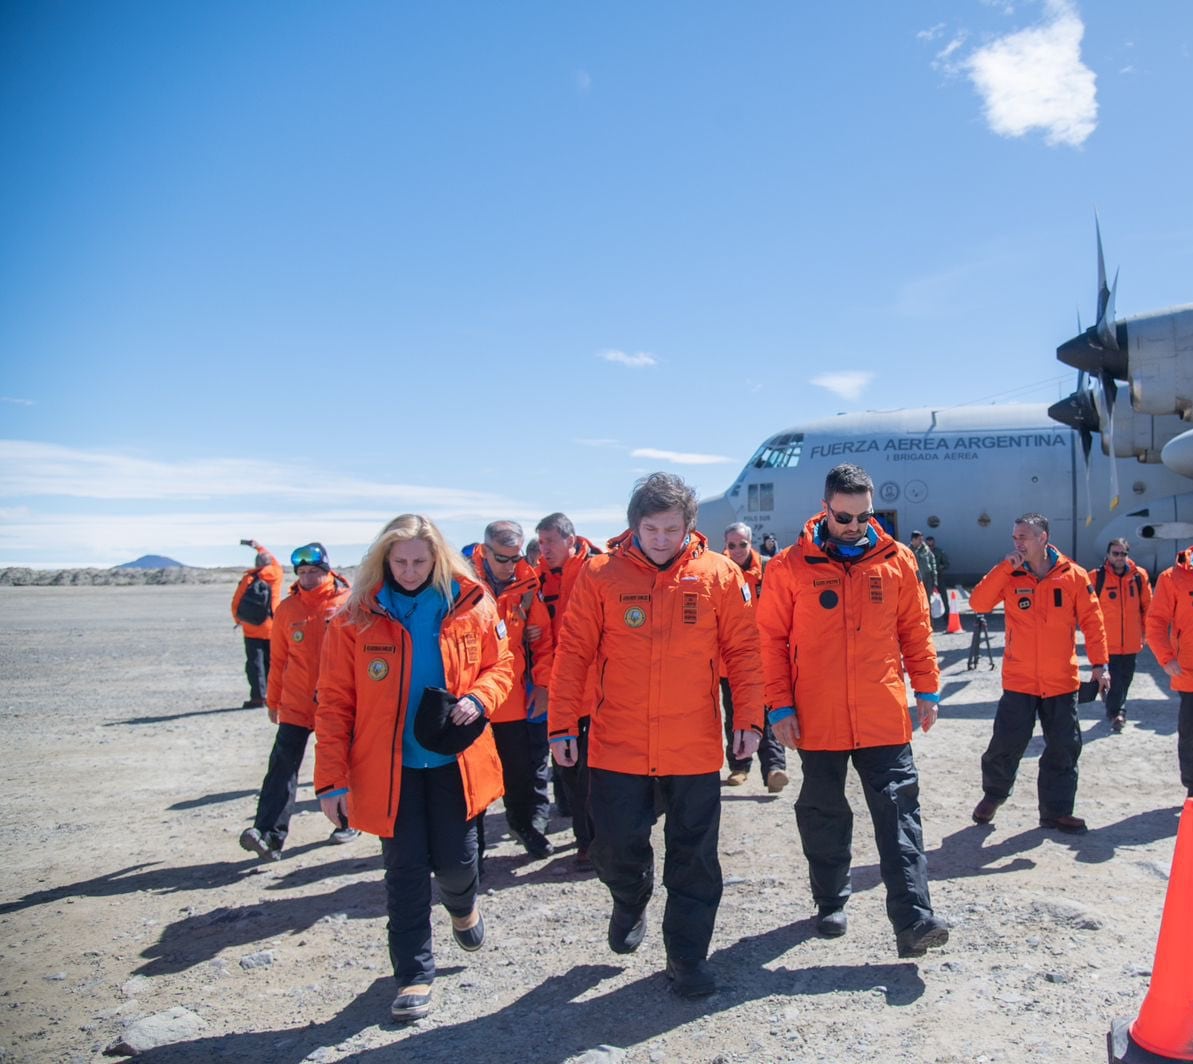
(944,446)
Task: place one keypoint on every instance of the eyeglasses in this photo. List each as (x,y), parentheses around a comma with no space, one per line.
(311,554)
(848,519)
(1119,553)
(505,559)
(736,546)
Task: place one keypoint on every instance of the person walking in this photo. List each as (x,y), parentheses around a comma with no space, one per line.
(299,624)
(1124,592)
(1047,598)
(256,596)
(1171,614)
(771,759)
(654,616)
(417,635)
(520,722)
(844,615)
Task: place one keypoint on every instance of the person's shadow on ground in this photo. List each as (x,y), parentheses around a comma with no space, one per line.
(548,1024)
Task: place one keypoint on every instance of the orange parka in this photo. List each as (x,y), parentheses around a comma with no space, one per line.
(1170,620)
(1042,617)
(840,637)
(362,696)
(521,607)
(271,573)
(1124,601)
(655,637)
(556,586)
(298,627)
(753,575)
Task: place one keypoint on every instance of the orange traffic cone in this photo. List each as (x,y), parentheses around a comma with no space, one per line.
(1164,1030)
(954,625)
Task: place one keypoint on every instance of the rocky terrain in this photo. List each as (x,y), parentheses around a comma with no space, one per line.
(129,917)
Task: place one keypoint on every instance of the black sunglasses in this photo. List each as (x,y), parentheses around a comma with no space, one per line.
(848,519)
(1119,553)
(736,546)
(505,559)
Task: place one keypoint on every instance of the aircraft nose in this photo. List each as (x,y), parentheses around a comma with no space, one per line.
(712,515)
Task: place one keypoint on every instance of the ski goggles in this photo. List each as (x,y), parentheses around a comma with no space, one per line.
(311,554)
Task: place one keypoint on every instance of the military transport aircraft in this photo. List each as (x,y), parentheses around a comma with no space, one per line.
(963,473)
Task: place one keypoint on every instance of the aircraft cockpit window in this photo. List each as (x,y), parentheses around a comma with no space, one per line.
(780,452)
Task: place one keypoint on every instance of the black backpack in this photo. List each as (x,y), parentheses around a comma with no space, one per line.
(256,604)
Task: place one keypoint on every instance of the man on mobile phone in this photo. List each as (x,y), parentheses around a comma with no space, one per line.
(256,597)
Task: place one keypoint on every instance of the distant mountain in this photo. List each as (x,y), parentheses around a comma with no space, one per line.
(152,561)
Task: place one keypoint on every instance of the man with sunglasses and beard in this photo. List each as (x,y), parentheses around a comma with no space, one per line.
(843,617)
(299,624)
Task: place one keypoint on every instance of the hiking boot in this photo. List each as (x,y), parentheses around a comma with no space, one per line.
(626,928)
(922,936)
(262,845)
(832,923)
(984,811)
(776,780)
(253,703)
(342,835)
(1070,825)
(691,979)
(737,777)
(412,1003)
(1117,722)
(535,842)
(472,938)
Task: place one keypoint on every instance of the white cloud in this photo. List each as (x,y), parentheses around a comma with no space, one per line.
(848,384)
(14,401)
(120,506)
(931,33)
(639,361)
(944,58)
(1034,79)
(41,469)
(679,457)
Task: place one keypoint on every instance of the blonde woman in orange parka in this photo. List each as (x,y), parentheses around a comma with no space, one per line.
(416,619)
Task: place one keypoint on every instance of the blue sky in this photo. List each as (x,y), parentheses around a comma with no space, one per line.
(285,270)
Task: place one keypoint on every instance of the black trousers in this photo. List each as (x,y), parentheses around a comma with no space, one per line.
(1184,741)
(623,813)
(891,786)
(1122,672)
(1014,722)
(770,750)
(256,667)
(575,781)
(276,800)
(431,835)
(524,754)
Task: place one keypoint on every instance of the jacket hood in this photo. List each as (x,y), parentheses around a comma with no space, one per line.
(524,575)
(808,539)
(624,545)
(332,585)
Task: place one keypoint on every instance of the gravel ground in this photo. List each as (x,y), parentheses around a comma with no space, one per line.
(129,773)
